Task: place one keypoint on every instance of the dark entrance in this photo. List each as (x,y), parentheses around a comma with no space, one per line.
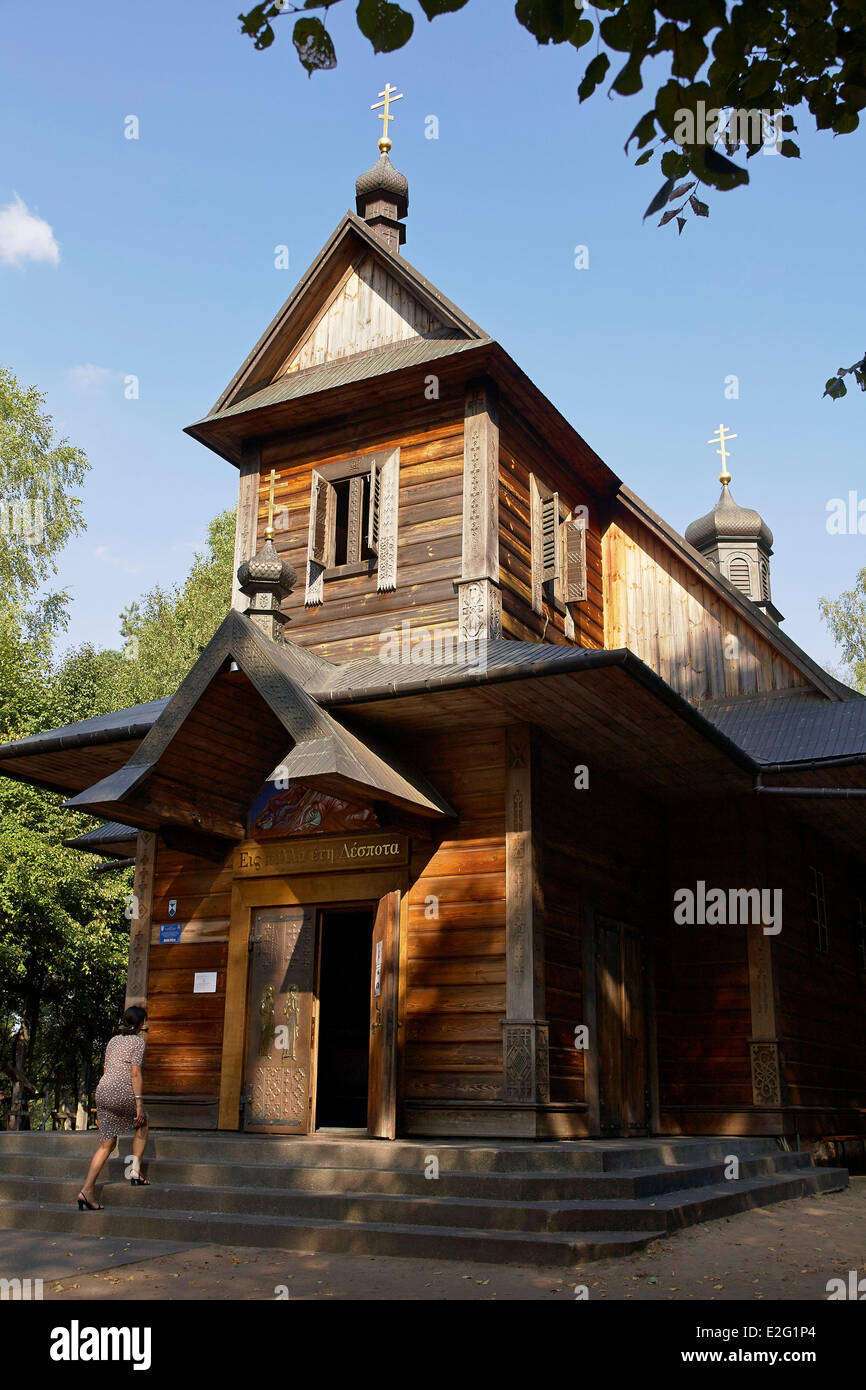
(344,1018)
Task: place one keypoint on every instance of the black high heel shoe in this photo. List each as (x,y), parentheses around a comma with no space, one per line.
(84,1205)
(138,1181)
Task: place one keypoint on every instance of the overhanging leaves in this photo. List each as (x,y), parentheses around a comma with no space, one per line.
(314,46)
(387,26)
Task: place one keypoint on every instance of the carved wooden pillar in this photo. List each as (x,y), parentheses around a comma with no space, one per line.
(246,525)
(479,597)
(524,1029)
(764,1052)
(140,922)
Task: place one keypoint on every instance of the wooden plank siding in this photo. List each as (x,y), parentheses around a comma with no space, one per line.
(455,988)
(520,454)
(602,854)
(184,1044)
(679,624)
(349,622)
(821,996)
(368,309)
(704,1015)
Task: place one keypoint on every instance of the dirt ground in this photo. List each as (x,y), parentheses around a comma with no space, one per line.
(785,1252)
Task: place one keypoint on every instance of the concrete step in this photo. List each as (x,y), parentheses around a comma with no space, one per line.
(658,1214)
(314,1237)
(569,1156)
(515,1186)
(562,1242)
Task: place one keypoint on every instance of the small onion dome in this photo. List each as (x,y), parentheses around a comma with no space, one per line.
(728,522)
(385,179)
(267,570)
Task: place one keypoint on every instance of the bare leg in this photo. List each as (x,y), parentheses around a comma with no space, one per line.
(98,1161)
(139,1144)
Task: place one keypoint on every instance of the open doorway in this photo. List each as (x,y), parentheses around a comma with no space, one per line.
(345,936)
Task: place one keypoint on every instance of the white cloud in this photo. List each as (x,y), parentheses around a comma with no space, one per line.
(24,236)
(90,376)
(102,552)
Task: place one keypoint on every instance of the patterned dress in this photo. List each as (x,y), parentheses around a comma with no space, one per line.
(115,1099)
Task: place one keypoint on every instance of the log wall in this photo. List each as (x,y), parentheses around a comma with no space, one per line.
(349,622)
(184,1046)
(520,454)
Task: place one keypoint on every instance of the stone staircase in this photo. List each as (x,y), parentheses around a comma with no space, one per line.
(515,1202)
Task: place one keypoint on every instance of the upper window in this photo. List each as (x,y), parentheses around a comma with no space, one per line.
(558,550)
(353,521)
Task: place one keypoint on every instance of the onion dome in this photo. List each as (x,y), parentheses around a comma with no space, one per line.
(386,183)
(728,521)
(382,199)
(266,580)
(739,543)
(267,571)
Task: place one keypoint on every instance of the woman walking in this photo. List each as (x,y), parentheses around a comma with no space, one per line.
(118,1103)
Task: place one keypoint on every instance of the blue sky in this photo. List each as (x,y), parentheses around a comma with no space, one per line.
(166,268)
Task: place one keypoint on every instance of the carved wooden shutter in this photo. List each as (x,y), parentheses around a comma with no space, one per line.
(373,519)
(575,561)
(322,517)
(550,538)
(387,492)
(319,506)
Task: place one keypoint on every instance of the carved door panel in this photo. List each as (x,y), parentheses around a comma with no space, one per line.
(382,1074)
(279,1039)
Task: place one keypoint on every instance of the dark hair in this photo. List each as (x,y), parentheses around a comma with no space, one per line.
(133,1019)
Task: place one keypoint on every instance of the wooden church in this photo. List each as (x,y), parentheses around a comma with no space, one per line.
(494,807)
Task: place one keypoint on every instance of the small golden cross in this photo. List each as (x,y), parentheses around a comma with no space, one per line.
(721,435)
(390,94)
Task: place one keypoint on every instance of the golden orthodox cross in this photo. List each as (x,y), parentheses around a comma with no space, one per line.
(390,94)
(721,435)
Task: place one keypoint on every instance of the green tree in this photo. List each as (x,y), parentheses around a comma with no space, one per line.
(713,68)
(845,616)
(168,630)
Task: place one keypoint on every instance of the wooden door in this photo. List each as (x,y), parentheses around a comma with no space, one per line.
(278,1087)
(622,1061)
(382,1077)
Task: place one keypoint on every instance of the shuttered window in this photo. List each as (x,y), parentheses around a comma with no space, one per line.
(550,538)
(558,550)
(353,520)
(575,561)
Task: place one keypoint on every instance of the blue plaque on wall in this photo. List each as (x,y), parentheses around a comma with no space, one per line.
(170,932)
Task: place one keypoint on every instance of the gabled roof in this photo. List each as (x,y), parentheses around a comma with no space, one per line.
(179,774)
(351,240)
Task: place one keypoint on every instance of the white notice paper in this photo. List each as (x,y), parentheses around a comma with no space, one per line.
(204,982)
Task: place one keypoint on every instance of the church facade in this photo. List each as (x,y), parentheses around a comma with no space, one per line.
(494,807)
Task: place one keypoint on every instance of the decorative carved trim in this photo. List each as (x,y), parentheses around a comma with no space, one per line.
(481,483)
(479,609)
(389,501)
(525,1062)
(766,1064)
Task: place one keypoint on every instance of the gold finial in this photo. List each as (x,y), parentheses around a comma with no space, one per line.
(720,436)
(390,94)
(269,533)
